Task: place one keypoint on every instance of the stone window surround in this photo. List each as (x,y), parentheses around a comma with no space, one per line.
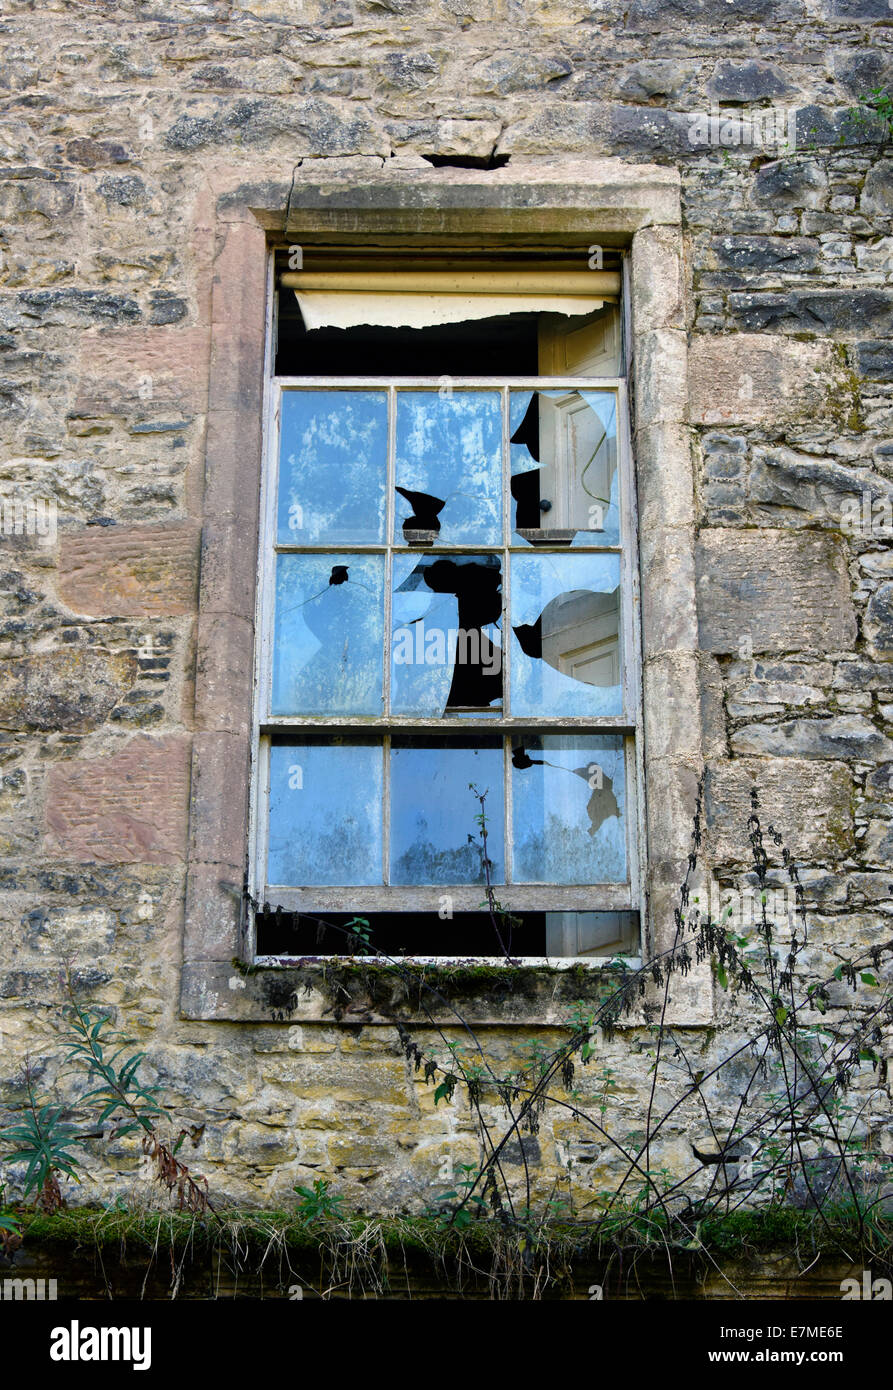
(568,203)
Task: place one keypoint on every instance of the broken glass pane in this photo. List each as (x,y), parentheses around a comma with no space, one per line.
(328,634)
(325,813)
(332,468)
(568,798)
(446,645)
(434,835)
(448,473)
(563,461)
(566,635)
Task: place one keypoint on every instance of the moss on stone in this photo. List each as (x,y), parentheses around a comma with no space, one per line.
(845,396)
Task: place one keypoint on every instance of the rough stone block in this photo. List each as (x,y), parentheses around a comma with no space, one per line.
(68,689)
(224,674)
(879,622)
(672,701)
(669,611)
(755,378)
(782,591)
(844,736)
(664,477)
(810,805)
(877,190)
(220,777)
(811,489)
(142,369)
(658,298)
(127,808)
(843,313)
(213,911)
(232,451)
(787,184)
(661,381)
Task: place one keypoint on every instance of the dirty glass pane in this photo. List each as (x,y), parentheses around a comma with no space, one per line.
(563,462)
(592,933)
(332,467)
(328,634)
(566,635)
(568,797)
(446,644)
(434,835)
(448,473)
(325,813)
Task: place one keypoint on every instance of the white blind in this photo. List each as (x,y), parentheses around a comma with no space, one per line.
(418,299)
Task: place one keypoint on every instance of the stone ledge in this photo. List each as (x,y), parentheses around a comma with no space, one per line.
(481,995)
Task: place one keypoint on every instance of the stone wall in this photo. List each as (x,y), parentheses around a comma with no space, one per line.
(116,120)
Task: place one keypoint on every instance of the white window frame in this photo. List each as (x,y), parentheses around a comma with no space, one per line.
(466,897)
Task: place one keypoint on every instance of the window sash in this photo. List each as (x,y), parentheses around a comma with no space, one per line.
(625,550)
(466,897)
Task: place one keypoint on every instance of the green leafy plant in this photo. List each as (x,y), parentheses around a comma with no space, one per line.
(10,1227)
(43,1140)
(360,932)
(125,1099)
(318,1203)
(43,1136)
(873,115)
(457,1208)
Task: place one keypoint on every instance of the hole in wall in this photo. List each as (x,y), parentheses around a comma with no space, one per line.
(467,161)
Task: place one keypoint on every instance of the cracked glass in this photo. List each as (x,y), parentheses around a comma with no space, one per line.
(448,474)
(566,635)
(447,566)
(568,800)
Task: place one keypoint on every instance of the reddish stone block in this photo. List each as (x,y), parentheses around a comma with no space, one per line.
(130,807)
(233,468)
(131,572)
(224,674)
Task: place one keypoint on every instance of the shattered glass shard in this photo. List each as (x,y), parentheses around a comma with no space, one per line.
(448,450)
(528,432)
(567,658)
(572,497)
(328,631)
(568,794)
(601,804)
(423,526)
(446,615)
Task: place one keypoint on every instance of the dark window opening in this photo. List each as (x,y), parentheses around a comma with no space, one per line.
(464,934)
(479,347)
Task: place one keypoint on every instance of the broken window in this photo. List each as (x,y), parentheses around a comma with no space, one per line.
(447,617)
